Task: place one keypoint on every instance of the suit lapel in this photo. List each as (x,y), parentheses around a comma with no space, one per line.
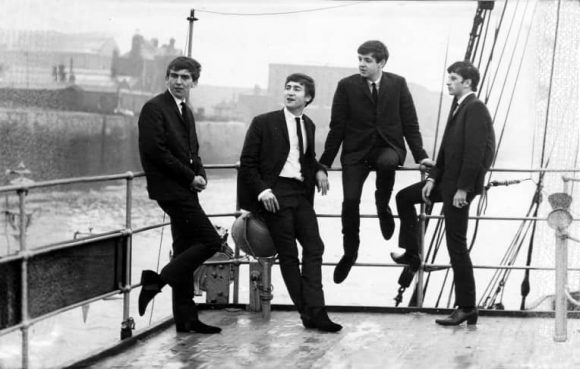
(174,107)
(282,127)
(309,128)
(365,87)
(465,101)
(384,87)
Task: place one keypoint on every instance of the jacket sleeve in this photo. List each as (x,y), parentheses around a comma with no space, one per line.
(410,124)
(250,158)
(153,145)
(476,131)
(339,116)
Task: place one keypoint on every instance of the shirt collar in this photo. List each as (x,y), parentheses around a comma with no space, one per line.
(177,101)
(289,116)
(377,82)
(464,97)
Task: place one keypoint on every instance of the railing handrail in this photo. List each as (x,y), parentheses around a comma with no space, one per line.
(24,254)
(130,174)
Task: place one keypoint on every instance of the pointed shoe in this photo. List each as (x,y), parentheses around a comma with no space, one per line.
(322,322)
(387,224)
(151,285)
(196,326)
(187,320)
(407,259)
(459,316)
(307,322)
(343,268)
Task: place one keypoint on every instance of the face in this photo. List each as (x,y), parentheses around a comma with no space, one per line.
(368,67)
(295,98)
(458,86)
(179,83)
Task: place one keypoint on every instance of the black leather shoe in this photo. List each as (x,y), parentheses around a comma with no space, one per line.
(387,224)
(196,326)
(343,268)
(459,316)
(307,322)
(151,285)
(412,261)
(187,320)
(322,322)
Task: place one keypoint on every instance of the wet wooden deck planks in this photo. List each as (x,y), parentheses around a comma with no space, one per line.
(368,340)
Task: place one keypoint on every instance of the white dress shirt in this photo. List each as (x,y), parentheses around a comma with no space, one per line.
(291,168)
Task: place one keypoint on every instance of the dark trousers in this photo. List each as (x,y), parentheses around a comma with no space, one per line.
(296,220)
(384,160)
(456,220)
(194,241)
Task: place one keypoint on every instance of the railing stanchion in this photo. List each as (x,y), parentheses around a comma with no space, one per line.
(127,325)
(561,307)
(420,272)
(560,219)
(237,253)
(24,277)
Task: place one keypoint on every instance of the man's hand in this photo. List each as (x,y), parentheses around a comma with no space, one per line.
(426,191)
(270,202)
(426,164)
(322,182)
(198,183)
(460,199)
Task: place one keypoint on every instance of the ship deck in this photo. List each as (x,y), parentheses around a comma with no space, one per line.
(368,340)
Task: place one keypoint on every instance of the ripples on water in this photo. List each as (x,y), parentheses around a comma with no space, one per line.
(58,214)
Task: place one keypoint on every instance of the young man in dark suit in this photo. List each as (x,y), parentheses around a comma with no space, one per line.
(465,155)
(277,176)
(175,175)
(372,116)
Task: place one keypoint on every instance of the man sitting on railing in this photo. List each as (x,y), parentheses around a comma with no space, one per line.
(372,117)
(278,172)
(466,153)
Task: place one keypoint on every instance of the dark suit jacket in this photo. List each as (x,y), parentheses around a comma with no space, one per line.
(265,151)
(467,150)
(355,120)
(169,149)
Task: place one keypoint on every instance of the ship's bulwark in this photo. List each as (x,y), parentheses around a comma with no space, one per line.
(58,144)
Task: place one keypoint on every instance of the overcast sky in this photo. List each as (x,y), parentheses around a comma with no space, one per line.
(235,50)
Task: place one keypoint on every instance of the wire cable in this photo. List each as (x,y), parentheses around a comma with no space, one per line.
(278,13)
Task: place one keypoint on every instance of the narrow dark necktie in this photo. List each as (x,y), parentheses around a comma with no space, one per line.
(187,123)
(454,107)
(452,110)
(375,93)
(300,139)
(184,112)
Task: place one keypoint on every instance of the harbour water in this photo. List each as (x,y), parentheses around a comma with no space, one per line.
(60,213)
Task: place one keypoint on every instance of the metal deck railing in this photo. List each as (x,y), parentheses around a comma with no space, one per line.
(18,312)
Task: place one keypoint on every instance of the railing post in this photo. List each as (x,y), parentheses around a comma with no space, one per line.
(420,272)
(559,219)
(24,277)
(561,313)
(266,286)
(236,287)
(128,324)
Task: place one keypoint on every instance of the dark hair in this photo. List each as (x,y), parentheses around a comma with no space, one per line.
(467,71)
(306,81)
(183,62)
(377,49)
